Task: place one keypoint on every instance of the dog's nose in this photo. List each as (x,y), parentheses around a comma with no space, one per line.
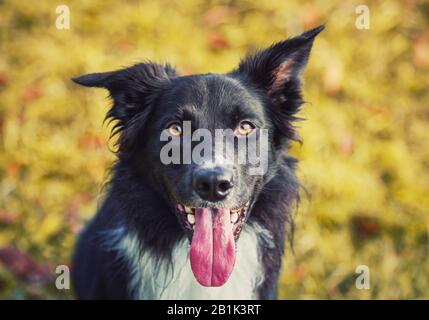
(212,184)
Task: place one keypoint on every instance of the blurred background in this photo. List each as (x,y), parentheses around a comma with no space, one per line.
(364,159)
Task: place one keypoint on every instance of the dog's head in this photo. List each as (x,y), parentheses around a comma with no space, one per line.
(209,142)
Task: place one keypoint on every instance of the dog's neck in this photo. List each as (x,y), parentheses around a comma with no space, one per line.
(154,277)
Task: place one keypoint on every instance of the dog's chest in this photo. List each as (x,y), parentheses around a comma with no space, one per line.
(152,278)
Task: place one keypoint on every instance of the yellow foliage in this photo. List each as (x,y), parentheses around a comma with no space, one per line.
(364,160)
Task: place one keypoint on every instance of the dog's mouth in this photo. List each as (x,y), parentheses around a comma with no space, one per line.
(237,217)
(213,232)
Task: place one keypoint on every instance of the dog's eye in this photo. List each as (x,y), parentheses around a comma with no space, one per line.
(244,128)
(174,129)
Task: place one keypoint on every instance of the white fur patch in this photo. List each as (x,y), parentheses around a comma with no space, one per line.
(153,278)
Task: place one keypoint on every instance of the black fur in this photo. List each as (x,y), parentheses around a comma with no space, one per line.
(143,193)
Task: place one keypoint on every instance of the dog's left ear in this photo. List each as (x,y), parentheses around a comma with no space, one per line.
(276,70)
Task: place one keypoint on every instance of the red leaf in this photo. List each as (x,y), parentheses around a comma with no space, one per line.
(3,79)
(23,266)
(8,217)
(31,93)
(218,41)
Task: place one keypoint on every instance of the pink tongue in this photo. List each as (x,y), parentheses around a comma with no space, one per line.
(213,247)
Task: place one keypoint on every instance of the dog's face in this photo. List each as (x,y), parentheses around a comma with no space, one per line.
(203,107)
(194,137)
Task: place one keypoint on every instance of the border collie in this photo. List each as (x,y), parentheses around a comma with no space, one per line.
(206,229)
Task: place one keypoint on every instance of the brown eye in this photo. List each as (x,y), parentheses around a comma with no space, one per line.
(175,129)
(244,128)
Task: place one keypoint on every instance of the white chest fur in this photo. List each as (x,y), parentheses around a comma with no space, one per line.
(153,278)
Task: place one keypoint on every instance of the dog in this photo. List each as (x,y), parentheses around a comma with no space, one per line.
(195,230)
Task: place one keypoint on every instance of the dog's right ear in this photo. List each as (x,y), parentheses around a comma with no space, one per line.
(99,80)
(132,91)
(130,88)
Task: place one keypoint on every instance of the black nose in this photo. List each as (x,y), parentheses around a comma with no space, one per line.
(212,184)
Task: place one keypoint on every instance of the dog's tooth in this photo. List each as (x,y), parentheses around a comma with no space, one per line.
(180,207)
(234,216)
(191,218)
(188,210)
